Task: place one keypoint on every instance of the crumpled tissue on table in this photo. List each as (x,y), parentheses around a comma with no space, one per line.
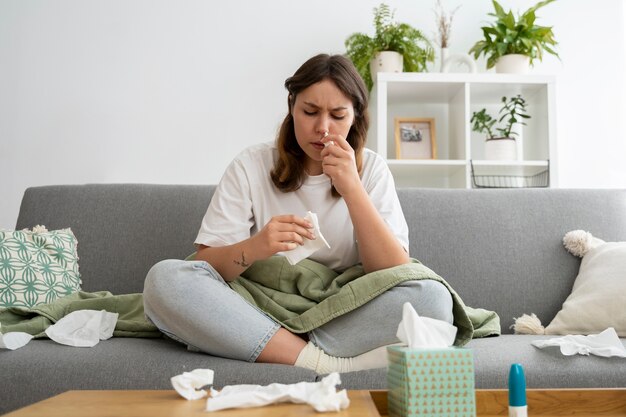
(310,246)
(80,328)
(189,384)
(322,395)
(604,344)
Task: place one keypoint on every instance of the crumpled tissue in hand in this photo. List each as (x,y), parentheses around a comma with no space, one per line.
(604,344)
(83,328)
(424,332)
(189,384)
(310,246)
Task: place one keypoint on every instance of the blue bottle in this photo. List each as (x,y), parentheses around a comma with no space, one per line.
(517,392)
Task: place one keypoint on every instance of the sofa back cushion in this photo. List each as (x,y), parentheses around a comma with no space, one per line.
(122,229)
(500,249)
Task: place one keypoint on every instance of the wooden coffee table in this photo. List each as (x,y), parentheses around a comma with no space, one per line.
(579,402)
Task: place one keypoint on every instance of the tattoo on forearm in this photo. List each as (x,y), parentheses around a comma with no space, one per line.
(243,261)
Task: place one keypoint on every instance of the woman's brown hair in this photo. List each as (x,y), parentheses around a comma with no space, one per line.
(288,173)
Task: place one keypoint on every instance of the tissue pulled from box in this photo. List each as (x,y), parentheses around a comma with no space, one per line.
(310,246)
(189,384)
(430,377)
(424,332)
(322,396)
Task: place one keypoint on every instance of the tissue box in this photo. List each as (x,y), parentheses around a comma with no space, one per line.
(430,382)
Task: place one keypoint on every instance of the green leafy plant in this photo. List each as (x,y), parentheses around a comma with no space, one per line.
(514,109)
(414,47)
(509,35)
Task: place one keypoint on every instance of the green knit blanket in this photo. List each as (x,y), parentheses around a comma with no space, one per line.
(304,296)
(301,298)
(131,321)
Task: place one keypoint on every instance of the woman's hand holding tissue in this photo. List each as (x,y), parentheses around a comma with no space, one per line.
(310,246)
(280,234)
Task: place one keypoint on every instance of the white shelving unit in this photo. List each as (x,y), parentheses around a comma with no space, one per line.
(451,99)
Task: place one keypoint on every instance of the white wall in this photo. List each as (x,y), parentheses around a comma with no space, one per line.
(163,91)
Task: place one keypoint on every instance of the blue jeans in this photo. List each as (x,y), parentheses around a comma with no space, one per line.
(190,302)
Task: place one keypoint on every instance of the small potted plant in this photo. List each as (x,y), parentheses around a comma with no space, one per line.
(407,46)
(501,145)
(512,44)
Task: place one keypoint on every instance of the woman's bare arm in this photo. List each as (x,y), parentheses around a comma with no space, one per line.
(378,246)
(280,234)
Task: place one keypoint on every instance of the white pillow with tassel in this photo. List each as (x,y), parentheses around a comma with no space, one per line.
(598,299)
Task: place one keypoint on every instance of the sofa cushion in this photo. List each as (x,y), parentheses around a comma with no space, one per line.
(545,368)
(44,368)
(598,298)
(37,266)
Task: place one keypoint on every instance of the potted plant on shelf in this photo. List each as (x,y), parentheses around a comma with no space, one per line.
(512,44)
(503,145)
(403,45)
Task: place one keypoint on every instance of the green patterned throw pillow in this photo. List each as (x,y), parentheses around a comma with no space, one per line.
(37,266)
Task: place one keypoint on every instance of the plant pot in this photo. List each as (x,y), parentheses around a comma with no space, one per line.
(513,64)
(501,149)
(386,61)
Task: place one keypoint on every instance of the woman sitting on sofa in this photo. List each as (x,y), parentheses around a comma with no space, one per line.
(319,163)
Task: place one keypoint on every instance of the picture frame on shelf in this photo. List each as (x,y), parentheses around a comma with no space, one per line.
(415,138)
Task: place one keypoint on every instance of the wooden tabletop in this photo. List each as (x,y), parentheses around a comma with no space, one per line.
(556,402)
(157,403)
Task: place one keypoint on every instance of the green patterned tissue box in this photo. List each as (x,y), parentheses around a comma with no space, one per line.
(431,382)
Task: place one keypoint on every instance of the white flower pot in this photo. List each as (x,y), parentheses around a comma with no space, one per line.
(513,64)
(386,61)
(501,149)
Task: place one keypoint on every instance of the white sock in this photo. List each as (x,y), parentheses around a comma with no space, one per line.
(314,358)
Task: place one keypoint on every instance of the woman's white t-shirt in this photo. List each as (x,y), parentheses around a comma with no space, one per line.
(246,199)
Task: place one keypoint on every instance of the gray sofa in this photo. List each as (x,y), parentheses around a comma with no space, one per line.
(500,249)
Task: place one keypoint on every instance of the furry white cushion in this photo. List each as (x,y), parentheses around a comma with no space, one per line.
(598,299)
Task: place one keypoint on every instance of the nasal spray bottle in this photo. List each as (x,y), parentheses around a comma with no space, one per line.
(517,392)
